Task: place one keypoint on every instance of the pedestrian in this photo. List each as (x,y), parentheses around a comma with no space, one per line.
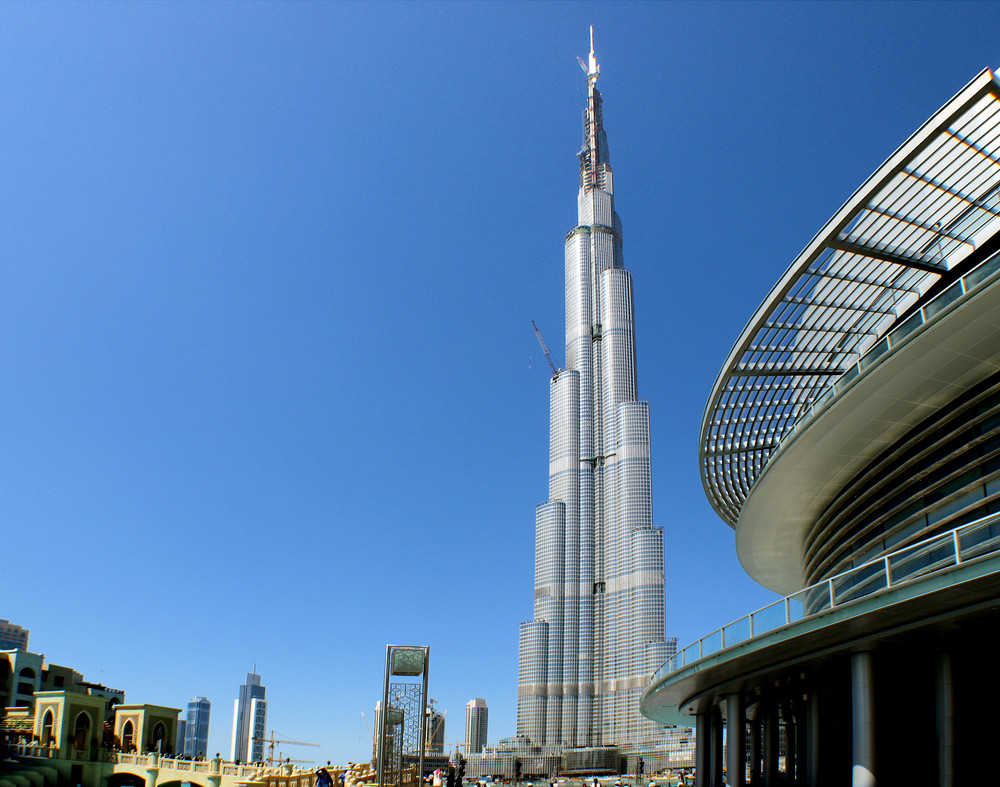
(322,777)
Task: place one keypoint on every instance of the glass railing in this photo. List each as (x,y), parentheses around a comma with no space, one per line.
(910,563)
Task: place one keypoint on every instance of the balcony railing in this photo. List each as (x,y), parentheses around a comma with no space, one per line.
(916,561)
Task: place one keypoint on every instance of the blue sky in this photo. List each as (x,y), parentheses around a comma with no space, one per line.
(269,389)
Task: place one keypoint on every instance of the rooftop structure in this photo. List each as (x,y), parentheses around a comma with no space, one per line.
(852,439)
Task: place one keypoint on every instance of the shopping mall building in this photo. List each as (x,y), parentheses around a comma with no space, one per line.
(852,440)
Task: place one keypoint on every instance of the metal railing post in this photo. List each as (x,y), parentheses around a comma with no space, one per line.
(788,613)
(888,572)
(958,549)
(829,583)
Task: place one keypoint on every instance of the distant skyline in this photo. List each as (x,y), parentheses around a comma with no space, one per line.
(271,392)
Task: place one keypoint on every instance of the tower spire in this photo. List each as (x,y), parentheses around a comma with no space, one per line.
(591,68)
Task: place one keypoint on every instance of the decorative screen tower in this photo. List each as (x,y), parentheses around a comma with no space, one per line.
(598,628)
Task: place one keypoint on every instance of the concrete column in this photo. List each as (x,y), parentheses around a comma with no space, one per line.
(702,749)
(801,740)
(736,740)
(755,752)
(863,719)
(717,780)
(811,768)
(945,712)
(771,742)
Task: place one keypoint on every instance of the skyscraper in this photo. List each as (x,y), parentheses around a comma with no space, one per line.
(249,721)
(12,636)
(434,731)
(598,627)
(196,733)
(476,725)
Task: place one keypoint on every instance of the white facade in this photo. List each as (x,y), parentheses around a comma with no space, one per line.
(249,722)
(476,725)
(598,628)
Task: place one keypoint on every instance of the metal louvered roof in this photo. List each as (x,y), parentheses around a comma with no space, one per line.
(930,206)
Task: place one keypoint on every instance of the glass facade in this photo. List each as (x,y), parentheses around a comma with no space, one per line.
(598,628)
(249,721)
(199,710)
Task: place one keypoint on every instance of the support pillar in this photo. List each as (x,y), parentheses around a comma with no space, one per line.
(801,740)
(945,713)
(736,740)
(755,751)
(717,749)
(812,771)
(863,719)
(771,742)
(703,749)
(788,717)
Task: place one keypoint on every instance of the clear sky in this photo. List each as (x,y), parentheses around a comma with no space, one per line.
(269,391)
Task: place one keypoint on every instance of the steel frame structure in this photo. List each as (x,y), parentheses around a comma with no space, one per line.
(923,218)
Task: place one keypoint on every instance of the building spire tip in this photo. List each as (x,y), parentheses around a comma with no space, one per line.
(591,67)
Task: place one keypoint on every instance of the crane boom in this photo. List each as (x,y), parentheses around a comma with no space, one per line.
(545,349)
(272,740)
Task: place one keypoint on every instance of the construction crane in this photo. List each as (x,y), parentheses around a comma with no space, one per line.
(437,722)
(270,747)
(548,355)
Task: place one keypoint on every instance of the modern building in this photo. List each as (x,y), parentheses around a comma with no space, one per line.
(852,440)
(477,718)
(12,636)
(598,628)
(434,731)
(199,710)
(249,721)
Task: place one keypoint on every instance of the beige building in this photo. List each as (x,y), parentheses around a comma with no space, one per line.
(146,728)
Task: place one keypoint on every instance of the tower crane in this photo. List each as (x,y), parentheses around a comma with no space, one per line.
(548,355)
(272,740)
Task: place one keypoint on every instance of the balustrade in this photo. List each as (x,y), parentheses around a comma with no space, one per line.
(910,563)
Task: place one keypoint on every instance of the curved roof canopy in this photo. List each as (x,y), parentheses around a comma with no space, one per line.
(921,218)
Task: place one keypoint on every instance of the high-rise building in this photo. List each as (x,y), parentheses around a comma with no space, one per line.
(476,725)
(434,731)
(249,721)
(181,735)
(199,710)
(598,628)
(12,636)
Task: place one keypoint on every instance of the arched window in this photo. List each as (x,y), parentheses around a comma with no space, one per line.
(26,681)
(128,736)
(47,722)
(158,743)
(81,732)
